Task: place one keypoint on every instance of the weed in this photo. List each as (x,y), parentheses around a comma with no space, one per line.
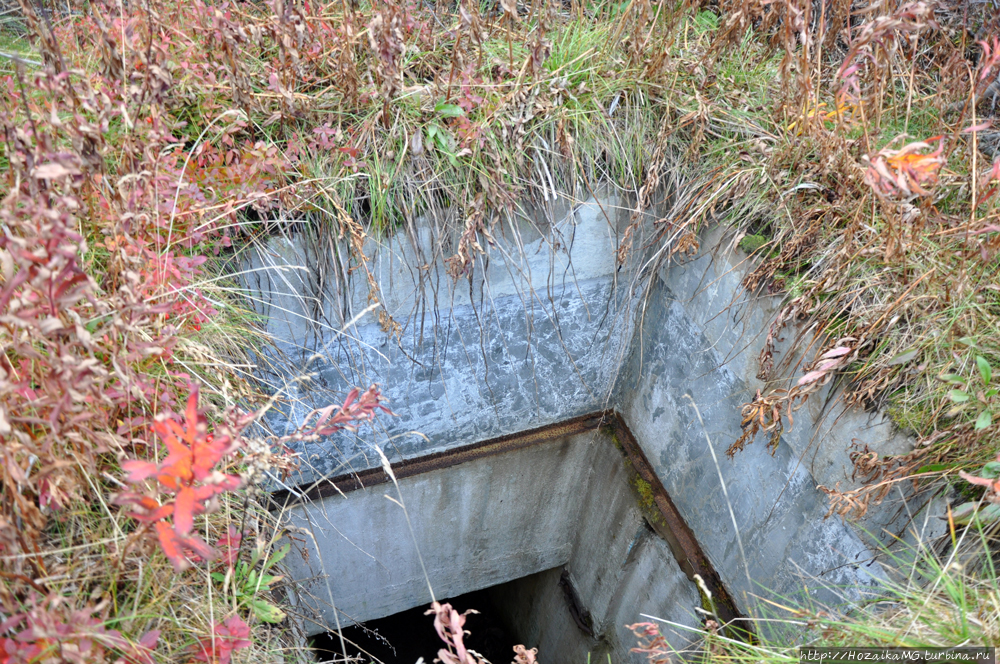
(937,602)
(645,494)
(449,625)
(883,245)
(248,583)
(983,397)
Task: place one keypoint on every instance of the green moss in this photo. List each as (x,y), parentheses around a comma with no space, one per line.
(645,494)
(910,416)
(617,442)
(751,243)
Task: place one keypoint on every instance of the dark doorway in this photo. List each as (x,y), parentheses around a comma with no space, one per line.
(405,637)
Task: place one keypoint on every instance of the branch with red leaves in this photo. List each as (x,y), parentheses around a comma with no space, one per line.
(906,171)
(229,636)
(51,630)
(189,475)
(357,407)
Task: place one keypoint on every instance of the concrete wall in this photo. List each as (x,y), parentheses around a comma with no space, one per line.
(700,338)
(547,329)
(538,340)
(779,514)
(567,503)
(619,568)
(733,325)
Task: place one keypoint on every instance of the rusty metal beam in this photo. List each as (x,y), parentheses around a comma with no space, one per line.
(410,467)
(674,529)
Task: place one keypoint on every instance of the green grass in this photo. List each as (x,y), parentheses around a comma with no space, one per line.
(933,600)
(14,44)
(798,176)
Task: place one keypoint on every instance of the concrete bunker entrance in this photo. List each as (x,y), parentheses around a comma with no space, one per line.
(501,358)
(562,535)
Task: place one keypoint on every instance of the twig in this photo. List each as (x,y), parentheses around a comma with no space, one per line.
(18,59)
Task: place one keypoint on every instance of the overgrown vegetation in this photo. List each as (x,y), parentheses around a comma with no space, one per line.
(941,603)
(883,171)
(850,147)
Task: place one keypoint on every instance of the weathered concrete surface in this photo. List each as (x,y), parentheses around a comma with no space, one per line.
(538,341)
(565,503)
(778,511)
(734,325)
(550,333)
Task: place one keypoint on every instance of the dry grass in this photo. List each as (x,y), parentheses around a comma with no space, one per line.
(903,280)
(359,117)
(938,600)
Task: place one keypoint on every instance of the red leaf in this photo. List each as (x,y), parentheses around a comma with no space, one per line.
(979,127)
(142,652)
(236,629)
(232,635)
(138,470)
(229,545)
(178,461)
(351,398)
(155,514)
(981,481)
(150,639)
(199,546)
(206,453)
(191,415)
(171,545)
(174,545)
(840,351)
(811,377)
(184,508)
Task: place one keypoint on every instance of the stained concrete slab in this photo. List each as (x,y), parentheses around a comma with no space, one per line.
(825,431)
(536,342)
(619,568)
(787,544)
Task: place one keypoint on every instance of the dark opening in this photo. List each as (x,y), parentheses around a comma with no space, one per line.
(406,636)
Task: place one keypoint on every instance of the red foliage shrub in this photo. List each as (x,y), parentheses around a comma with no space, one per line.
(227,637)
(188,473)
(109,210)
(51,630)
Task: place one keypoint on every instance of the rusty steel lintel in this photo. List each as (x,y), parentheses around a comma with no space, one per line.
(409,467)
(681,540)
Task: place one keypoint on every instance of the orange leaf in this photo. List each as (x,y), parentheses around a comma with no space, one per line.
(174,545)
(184,509)
(171,545)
